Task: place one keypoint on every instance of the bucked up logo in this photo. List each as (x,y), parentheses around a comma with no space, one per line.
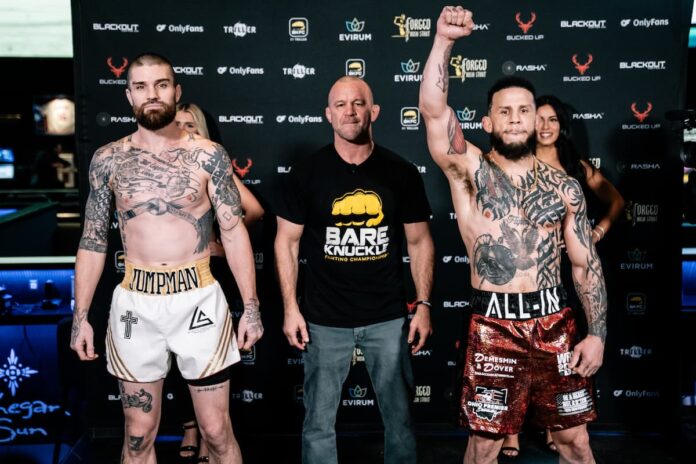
(582,65)
(641,112)
(117,68)
(525,24)
(356,237)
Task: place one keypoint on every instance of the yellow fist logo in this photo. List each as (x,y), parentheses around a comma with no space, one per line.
(358,208)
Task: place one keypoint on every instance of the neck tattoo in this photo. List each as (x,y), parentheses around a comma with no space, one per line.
(532,187)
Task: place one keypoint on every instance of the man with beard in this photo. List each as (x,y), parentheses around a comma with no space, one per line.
(353,202)
(167,184)
(513,213)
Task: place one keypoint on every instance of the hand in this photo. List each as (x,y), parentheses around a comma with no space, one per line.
(587,356)
(420,324)
(82,336)
(455,23)
(250,328)
(295,329)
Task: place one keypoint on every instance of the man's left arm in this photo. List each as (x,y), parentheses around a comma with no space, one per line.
(588,279)
(226,200)
(421,252)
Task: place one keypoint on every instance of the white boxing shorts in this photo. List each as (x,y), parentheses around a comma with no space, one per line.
(158,311)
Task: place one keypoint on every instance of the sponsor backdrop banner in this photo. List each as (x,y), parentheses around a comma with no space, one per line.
(262,71)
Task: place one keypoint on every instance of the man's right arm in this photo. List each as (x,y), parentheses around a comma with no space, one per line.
(287,251)
(445,136)
(91,254)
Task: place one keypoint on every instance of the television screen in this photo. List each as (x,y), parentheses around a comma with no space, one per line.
(7,171)
(54,115)
(6,155)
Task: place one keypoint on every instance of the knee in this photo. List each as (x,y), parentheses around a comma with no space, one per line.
(578,443)
(217,432)
(139,440)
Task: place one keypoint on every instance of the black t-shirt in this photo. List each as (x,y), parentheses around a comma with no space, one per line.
(353,218)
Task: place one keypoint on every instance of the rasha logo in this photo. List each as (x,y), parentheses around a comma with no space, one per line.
(645,65)
(635,352)
(239,29)
(242,171)
(410,70)
(422,394)
(298,28)
(355,28)
(488,402)
(588,116)
(410,118)
(640,167)
(117,70)
(531,67)
(466,68)
(132,28)
(584,24)
(180,28)
(189,70)
(525,26)
(410,28)
(466,119)
(582,67)
(122,119)
(636,304)
(641,115)
(356,237)
(299,71)
(355,67)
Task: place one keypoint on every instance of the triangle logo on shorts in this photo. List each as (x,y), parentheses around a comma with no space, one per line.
(199,319)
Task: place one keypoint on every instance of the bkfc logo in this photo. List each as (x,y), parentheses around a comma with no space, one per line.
(410,28)
(410,118)
(465,68)
(355,67)
(298,28)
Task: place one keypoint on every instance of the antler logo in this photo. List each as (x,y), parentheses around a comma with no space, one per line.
(410,307)
(117,71)
(241,172)
(641,116)
(525,26)
(582,67)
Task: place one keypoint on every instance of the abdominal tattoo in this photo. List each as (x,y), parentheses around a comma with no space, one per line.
(159,184)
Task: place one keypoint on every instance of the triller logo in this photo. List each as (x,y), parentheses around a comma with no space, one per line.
(299,71)
(239,29)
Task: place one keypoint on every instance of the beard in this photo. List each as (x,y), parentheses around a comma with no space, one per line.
(155,119)
(513,151)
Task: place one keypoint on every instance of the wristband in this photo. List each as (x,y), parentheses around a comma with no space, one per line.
(423,302)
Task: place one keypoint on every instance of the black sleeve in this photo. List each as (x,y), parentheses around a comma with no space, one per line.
(413,204)
(292,199)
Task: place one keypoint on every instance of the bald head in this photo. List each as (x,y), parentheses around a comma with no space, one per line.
(149,59)
(351,82)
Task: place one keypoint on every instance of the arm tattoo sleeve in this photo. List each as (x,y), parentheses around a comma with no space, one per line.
(224,195)
(591,289)
(457,143)
(442,82)
(96,229)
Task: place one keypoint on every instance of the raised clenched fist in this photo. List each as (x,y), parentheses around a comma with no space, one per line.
(455,22)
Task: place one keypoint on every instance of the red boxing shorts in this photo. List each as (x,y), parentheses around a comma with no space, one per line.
(518,355)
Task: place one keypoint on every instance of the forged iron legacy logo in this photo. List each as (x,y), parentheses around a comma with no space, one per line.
(409,71)
(411,28)
(131,28)
(355,67)
(299,71)
(584,24)
(466,119)
(239,29)
(410,118)
(467,68)
(298,28)
(525,24)
(641,113)
(240,70)
(180,28)
(355,28)
(422,394)
(646,65)
(645,22)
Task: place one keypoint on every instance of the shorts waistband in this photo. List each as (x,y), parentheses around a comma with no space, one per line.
(167,281)
(519,306)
